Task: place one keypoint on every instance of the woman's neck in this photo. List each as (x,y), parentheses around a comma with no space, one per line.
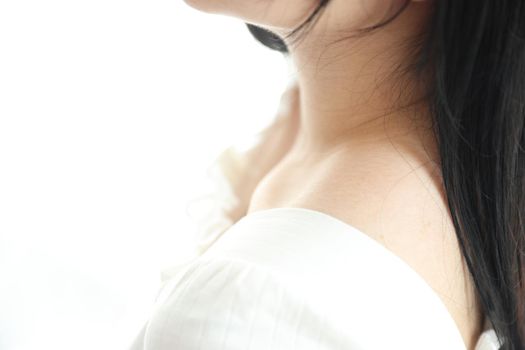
(350,92)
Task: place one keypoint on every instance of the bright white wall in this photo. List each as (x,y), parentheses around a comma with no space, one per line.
(110,111)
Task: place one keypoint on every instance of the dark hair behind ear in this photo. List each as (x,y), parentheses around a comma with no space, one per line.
(268,38)
(476,51)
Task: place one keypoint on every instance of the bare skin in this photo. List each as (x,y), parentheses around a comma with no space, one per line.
(368,162)
(397,200)
(390,190)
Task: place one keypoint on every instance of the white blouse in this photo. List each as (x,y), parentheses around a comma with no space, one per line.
(296,278)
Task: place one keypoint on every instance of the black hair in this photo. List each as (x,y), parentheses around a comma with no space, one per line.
(476,51)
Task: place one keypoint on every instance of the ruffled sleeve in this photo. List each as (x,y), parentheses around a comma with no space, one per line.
(208,208)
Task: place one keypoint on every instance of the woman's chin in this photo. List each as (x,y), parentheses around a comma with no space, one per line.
(282,14)
(204,5)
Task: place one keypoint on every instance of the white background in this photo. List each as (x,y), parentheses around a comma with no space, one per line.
(110,112)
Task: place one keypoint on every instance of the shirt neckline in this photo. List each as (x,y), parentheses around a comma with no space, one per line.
(487,338)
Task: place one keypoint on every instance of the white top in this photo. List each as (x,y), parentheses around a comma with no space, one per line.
(292,278)
(296,278)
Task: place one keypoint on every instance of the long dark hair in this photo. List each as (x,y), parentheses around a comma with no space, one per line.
(477,101)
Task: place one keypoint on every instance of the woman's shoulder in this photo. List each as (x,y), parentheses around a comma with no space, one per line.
(402,209)
(275,271)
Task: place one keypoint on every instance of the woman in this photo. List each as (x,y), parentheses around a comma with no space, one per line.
(385,206)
